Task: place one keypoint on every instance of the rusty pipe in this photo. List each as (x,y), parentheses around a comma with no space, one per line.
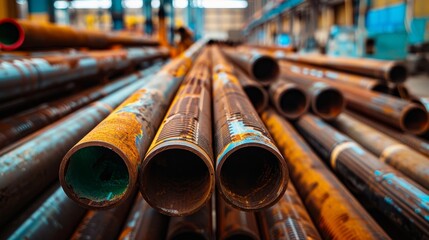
(288,219)
(197,226)
(22,34)
(144,222)
(388,150)
(391,71)
(105,224)
(177,173)
(33,74)
(235,224)
(393,111)
(56,218)
(251,174)
(31,166)
(290,100)
(402,202)
(100,171)
(22,124)
(337,214)
(259,66)
(256,93)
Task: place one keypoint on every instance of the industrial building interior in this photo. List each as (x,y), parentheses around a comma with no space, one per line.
(214,119)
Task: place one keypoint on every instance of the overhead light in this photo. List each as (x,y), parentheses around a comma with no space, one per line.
(155,3)
(132,3)
(180,3)
(224,4)
(61,4)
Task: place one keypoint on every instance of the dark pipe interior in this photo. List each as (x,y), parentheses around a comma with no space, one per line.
(415,120)
(251,176)
(239,237)
(188,236)
(9,33)
(256,96)
(293,102)
(265,69)
(97,173)
(398,73)
(176,180)
(382,88)
(329,103)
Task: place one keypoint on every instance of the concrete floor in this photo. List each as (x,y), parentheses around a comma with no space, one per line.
(418,85)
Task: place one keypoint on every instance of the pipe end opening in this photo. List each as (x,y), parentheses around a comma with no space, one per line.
(329,104)
(266,69)
(293,103)
(11,34)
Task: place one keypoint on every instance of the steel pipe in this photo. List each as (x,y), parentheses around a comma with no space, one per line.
(256,93)
(290,100)
(388,150)
(393,111)
(144,222)
(251,174)
(391,71)
(197,226)
(56,218)
(235,224)
(22,124)
(27,35)
(27,169)
(177,173)
(100,171)
(337,214)
(28,75)
(288,219)
(259,66)
(402,202)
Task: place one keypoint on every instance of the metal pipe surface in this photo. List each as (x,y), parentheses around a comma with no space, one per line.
(101,170)
(235,224)
(259,66)
(288,219)
(337,214)
(177,173)
(144,222)
(22,34)
(391,71)
(388,150)
(403,202)
(290,100)
(22,124)
(33,74)
(31,166)
(251,174)
(256,93)
(197,226)
(393,111)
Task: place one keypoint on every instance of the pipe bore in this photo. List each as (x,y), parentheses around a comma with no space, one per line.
(252,177)
(265,69)
(397,73)
(11,34)
(187,236)
(293,103)
(258,97)
(415,120)
(380,87)
(176,182)
(240,236)
(328,104)
(95,174)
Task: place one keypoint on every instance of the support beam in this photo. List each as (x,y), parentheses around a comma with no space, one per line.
(147,12)
(117,12)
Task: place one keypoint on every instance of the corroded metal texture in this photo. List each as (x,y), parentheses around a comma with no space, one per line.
(251,174)
(402,202)
(22,124)
(288,219)
(388,150)
(290,100)
(104,224)
(100,171)
(391,71)
(253,89)
(31,166)
(177,173)
(235,224)
(197,226)
(337,214)
(22,34)
(326,101)
(56,218)
(396,112)
(259,66)
(352,80)
(31,74)
(144,222)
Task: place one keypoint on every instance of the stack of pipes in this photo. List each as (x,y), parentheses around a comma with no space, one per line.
(218,143)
